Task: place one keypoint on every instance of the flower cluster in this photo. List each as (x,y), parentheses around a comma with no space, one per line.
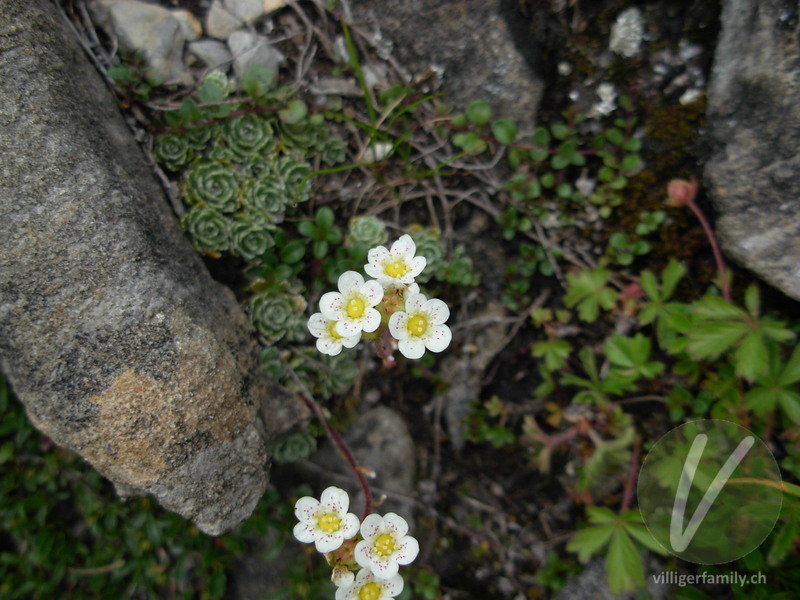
(390,304)
(378,545)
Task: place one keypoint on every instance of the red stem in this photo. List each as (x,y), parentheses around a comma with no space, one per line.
(627,498)
(344,450)
(723,278)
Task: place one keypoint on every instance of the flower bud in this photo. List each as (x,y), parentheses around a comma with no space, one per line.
(681,192)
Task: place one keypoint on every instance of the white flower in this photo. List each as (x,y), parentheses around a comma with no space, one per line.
(395,266)
(326,521)
(421,326)
(328,341)
(351,306)
(342,576)
(385,545)
(368,587)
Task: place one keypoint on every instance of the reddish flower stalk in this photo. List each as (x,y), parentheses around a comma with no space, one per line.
(627,498)
(344,450)
(682,193)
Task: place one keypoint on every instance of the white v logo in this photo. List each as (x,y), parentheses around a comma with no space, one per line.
(680,540)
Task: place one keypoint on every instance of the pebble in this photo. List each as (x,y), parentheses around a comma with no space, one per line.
(249,11)
(219,22)
(212,53)
(250,49)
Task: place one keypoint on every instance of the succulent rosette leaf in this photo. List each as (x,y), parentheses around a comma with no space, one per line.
(172,149)
(208,228)
(428,244)
(266,193)
(368,586)
(293,171)
(325,522)
(215,184)
(421,326)
(385,546)
(248,239)
(279,316)
(247,135)
(200,136)
(366,231)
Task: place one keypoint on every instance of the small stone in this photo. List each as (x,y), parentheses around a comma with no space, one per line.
(252,10)
(191,28)
(219,22)
(212,52)
(627,33)
(148,28)
(251,49)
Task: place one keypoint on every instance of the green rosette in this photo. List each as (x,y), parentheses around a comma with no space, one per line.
(208,228)
(303,136)
(333,151)
(428,245)
(249,239)
(293,171)
(215,184)
(265,193)
(296,447)
(247,135)
(172,150)
(366,231)
(200,137)
(279,316)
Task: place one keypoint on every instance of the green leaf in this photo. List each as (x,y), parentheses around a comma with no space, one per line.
(790,405)
(784,540)
(325,217)
(714,307)
(293,252)
(623,565)
(761,400)
(600,515)
(672,274)
(320,248)
(479,112)
(307,229)
(504,131)
(541,137)
(256,80)
(560,131)
(631,162)
(640,534)
(294,112)
(614,136)
(712,338)
(751,358)
(791,370)
(752,299)
(590,540)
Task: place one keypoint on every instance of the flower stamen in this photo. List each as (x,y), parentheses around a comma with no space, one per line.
(355,308)
(417,325)
(371,591)
(384,544)
(396,268)
(329,522)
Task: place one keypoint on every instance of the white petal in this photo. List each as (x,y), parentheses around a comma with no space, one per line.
(394,585)
(328,543)
(372,292)
(438,338)
(398,325)
(396,524)
(412,347)
(385,569)
(414,303)
(407,551)
(306,508)
(332,306)
(363,554)
(436,310)
(416,266)
(350,281)
(373,270)
(371,527)
(350,525)
(304,533)
(376,256)
(371,320)
(342,577)
(411,290)
(330,346)
(364,576)
(351,341)
(318,325)
(348,327)
(404,247)
(335,499)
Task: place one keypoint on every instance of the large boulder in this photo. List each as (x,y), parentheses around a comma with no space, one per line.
(112,332)
(754,122)
(471,41)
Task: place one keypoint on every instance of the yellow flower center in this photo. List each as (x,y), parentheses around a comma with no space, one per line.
(332,331)
(371,591)
(417,325)
(384,544)
(395,269)
(329,522)
(355,308)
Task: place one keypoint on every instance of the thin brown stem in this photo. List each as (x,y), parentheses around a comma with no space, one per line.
(627,498)
(723,276)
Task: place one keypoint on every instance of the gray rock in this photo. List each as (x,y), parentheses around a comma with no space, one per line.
(753,175)
(252,10)
(140,26)
(471,40)
(219,22)
(212,52)
(192,28)
(251,49)
(112,333)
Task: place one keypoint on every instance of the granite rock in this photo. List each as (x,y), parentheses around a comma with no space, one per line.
(112,333)
(753,176)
